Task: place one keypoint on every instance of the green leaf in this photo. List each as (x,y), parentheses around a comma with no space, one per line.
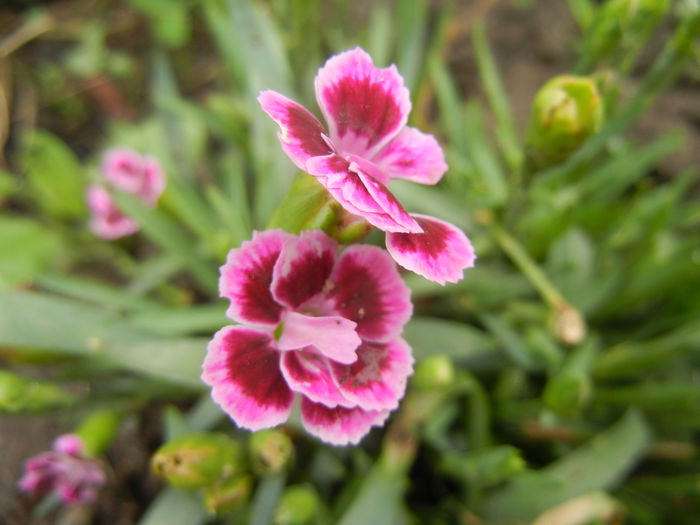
(28,249)
(34,321)
(175,507)
(457,340)
(55,176)
(599,464)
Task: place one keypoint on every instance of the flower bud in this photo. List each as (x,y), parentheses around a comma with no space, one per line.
(197,460)
(568,325)
(436,371)
(271,450)
(298,505)
(19,394)
(566,111)
(227,495)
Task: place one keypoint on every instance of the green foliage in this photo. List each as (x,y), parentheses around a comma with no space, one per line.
(560,374)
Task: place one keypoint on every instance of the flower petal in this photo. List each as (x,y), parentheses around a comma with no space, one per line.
(300,132)
(107,221)
(339,426)
(377,380)
(414,156)
(131,172)
(302,268)
(365,287)
(242,367)
(441,253)
(247,276)
(309,373)
(71,444)
(365,106)
(361,195)
(333,336)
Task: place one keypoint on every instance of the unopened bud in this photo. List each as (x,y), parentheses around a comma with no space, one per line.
(436,371)
(272,450)
(568,325)
(227,495)
(566,111)
(298,505)
(19,394)
(197,460)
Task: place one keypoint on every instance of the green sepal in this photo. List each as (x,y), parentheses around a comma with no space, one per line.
(307,206)
(228,494)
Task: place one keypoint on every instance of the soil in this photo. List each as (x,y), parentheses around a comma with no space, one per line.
(530,45)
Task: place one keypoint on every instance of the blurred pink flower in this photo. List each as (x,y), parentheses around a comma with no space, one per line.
(368,144)
(128,171)
(317,323)
(64,471)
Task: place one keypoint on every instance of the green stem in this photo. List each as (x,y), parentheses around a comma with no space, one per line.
(530,268)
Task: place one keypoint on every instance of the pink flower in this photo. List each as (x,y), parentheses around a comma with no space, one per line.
(368,144)
(128,171)
(64,471)
(317,323)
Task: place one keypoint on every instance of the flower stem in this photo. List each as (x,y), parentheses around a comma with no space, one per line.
(568,324)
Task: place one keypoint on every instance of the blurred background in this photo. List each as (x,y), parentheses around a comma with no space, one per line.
(556,384)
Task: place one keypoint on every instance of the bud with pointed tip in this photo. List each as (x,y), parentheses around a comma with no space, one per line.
(567,110)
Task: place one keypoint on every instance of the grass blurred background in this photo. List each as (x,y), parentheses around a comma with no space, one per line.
(563,366)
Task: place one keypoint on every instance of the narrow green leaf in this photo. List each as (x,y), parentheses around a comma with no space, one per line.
(498,99)
(597,465)
(55,176)
(28,249)
(175,507)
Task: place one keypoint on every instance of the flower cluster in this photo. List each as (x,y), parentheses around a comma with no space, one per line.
(366,145)
(128,171)
(315,322)
(64,471)
(318,322)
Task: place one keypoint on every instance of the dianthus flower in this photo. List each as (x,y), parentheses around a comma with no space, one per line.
(315,322)
(64,471)
(367,144)
(128,171)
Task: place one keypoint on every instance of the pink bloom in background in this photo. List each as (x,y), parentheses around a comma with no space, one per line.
(315,322)
(128,171)
(64,471)
(368,144)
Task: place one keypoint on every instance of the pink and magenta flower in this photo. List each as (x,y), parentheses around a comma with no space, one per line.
(128,171)
(367,144)
(64,471)
(317,324)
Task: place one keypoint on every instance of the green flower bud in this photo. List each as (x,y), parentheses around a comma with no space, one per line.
(198,460)
(297,506)
(98,431)
(271,450)
(19,394)
(227,495)
(566,111)
(436,371)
